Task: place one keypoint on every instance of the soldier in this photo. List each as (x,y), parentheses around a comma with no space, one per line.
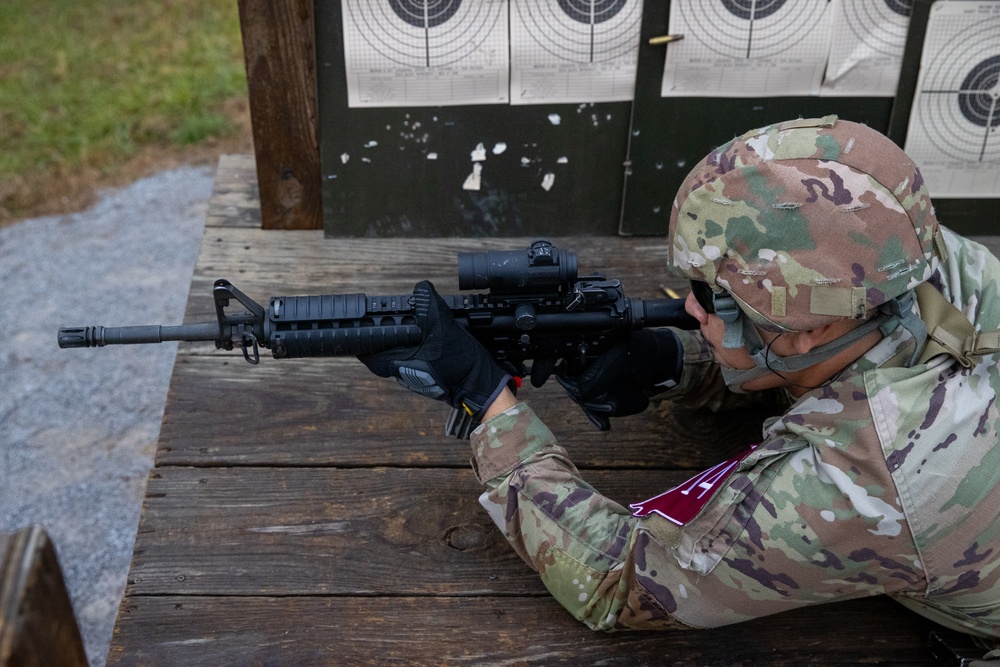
(817,269)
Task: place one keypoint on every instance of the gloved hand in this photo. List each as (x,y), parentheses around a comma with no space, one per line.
(449,364)
(621,381)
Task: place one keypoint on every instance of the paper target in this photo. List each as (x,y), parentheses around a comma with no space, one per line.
(582,31)
(879,24)
(425,52)
(954,130)
(751,28)
(424,33)
(958,106)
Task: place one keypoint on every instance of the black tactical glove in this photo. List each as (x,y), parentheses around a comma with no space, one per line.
(621,381)
(449,364)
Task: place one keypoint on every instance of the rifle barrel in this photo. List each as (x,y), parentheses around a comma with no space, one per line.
(154,333)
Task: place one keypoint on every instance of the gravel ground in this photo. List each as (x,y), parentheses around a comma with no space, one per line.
(78,428)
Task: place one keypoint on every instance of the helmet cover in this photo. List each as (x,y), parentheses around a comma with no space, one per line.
(805,222)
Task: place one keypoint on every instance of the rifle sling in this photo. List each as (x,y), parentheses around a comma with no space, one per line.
(950,332)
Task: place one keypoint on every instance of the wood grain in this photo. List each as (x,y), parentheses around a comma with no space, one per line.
(304,631)
(335,412)
(37,623)
(312,531)
(280,54)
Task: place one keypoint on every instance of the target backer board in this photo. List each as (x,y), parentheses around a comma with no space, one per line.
(452,117)
(452,150)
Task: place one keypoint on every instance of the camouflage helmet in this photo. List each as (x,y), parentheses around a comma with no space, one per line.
(804,223)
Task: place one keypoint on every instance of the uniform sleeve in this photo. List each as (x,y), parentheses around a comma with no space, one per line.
(802,519)
(579,541)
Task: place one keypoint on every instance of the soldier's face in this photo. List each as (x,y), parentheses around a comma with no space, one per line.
(713,328)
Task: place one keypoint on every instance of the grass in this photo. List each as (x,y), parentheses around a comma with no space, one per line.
(86,85)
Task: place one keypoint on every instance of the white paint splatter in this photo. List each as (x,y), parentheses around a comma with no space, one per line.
(432,156)
(479,154)
(344,157)
(828,515)
(563,160)
(474,180)
(555,118)
(548,180)
(499,148)
(371,144)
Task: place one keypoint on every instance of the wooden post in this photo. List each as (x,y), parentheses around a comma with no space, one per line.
(279,47)
(37,625)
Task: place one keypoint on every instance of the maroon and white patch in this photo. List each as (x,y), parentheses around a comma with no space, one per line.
(683,502)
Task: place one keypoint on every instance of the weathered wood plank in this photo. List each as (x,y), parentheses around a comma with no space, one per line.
(310,531)
(224,411)
(280,53)
(491,631)
(235,198)
(37,624)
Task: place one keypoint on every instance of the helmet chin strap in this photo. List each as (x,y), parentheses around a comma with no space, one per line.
(741,333)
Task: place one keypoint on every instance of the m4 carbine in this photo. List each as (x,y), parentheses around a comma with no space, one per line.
(537,308)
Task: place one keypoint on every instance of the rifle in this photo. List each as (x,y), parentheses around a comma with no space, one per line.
(537,308)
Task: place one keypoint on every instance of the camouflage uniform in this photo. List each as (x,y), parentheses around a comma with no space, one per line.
(884,481)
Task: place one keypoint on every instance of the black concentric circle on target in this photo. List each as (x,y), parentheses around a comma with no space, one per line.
(751,29)
(881,26)
(592,11)
(425,33)
(425,13)
(901,7)
(583,31)
(977,97)
(753,9)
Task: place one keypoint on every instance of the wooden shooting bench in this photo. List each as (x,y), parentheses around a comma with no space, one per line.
(306,512)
